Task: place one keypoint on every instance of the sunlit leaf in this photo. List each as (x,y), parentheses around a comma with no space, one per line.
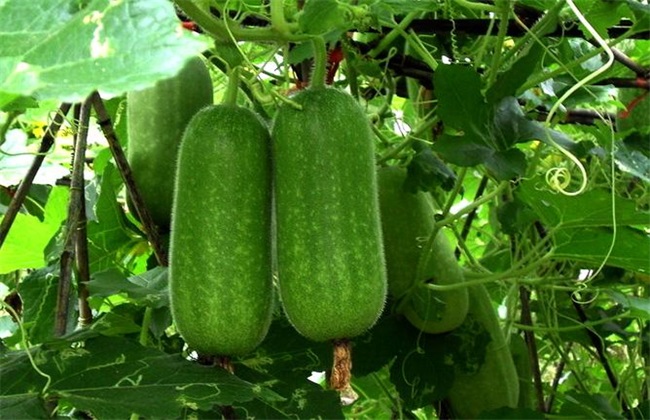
(65,49)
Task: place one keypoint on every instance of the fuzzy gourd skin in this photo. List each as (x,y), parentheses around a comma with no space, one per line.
(220,257)
(156,119)
(407,222)
(496,383)
(332,278)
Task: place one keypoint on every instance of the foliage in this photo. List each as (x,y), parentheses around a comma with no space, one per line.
(530,136)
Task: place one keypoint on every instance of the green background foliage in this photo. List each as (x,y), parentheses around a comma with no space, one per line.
(466,112)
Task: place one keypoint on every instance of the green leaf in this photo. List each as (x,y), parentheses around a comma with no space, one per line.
(468,151)
(460,103)
(631,249)
(65,49)
(149,288)
(508,82)
(507,164)
(577,404)
(20,397)
(508,413)
(511,126)
(107,235)
(427,172)
(28,236)
(321,16)
(285,360)
(589,209)
(633,161)
(113,377)
(601,15)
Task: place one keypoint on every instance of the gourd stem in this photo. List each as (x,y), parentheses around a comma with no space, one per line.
(320,63)
(342,371)
(230,97)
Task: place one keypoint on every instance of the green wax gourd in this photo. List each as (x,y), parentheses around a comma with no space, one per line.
(407,222)
(220,257)
(331,276)
(156,119)
(495,384)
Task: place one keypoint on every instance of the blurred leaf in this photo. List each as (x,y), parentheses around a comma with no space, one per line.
(18,157)
(28,236)
(601,15)
(508,413)
(635,120)
(508,82)
(632,160)
(149,288)
(640,307)
(427,172)
(642,15)
(66,49)
(468,151)
(507,164)
(321,16)
(587,406)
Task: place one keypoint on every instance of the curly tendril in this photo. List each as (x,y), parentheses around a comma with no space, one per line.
(555,175)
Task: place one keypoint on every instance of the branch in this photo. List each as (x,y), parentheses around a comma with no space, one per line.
(527,319)
(75,205)
(104,121)
(20,194)
(470,217)
(83,265)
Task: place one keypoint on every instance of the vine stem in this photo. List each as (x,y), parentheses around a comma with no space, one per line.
(146,323)
(26,345)
(278,21)
(220,30)
(23,188)
(388,39)
(320,63)
(504,13)
(230,97)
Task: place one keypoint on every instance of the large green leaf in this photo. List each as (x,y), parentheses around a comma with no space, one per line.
(65,49)
(630,250)
(582,225)
(590,209)
(112,377)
